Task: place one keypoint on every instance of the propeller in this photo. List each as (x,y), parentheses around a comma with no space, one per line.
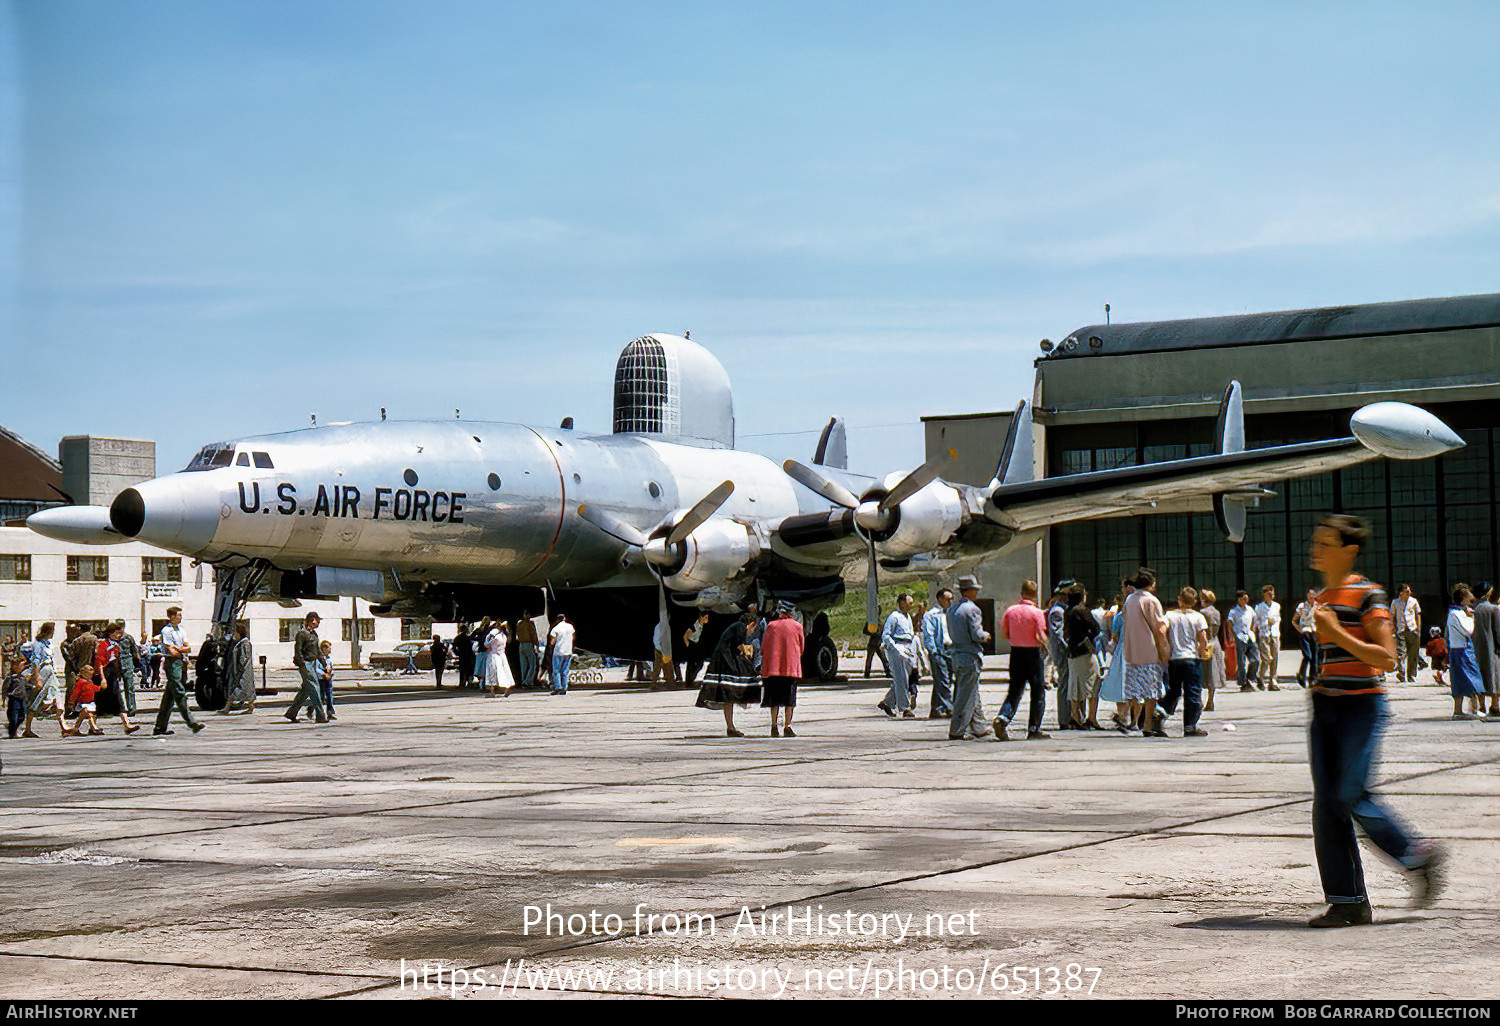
(873,515)
(663,545)
(613,525)
(701,510)
(824,486)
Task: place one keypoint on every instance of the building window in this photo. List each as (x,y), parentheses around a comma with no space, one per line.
(289,629)
(15,568)
(14,632)
(161,568)
(88,568)
(415,630)
(366,629)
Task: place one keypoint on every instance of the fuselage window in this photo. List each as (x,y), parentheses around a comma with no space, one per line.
(243,461)
(210,456)
(263,461)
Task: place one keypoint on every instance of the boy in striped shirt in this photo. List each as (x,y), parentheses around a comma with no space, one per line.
(1352,617)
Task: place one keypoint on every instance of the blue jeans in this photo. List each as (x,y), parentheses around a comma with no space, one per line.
(942,690)
(528,664)
(560,665)
(1246,661)
(1342,742)
(1185,681)
(1307,672)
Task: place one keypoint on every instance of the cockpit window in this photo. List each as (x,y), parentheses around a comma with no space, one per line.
(219,454)
(263,461)
(243,461)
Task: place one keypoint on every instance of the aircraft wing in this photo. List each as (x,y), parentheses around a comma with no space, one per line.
(1231,477)
(1130,491)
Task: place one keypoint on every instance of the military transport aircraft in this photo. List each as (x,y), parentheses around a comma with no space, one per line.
(457,519)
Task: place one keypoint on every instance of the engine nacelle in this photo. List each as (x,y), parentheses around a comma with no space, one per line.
(717,552)
(925,521)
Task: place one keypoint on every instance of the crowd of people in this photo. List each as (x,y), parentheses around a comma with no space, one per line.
(499,656)
(1135,654)
(99,676)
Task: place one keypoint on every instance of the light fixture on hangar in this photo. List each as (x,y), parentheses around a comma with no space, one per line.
(672,388)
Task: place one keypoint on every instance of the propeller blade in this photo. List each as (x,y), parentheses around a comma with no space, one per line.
(826,487)
(701,511)
(918,479)
(872,596)
(613,525)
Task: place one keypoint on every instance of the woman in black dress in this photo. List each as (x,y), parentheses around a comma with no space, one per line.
(732,678)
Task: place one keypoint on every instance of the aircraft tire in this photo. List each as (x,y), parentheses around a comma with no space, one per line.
(823,661)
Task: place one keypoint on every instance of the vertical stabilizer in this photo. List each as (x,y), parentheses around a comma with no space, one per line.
(1229,437)
(1017,456)
(833,446)
(1230,433)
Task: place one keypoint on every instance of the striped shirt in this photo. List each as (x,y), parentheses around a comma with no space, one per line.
(1358,603)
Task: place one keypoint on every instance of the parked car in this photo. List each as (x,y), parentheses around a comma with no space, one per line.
(420,651)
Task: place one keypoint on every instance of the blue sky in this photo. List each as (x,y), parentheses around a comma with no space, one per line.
(217,217)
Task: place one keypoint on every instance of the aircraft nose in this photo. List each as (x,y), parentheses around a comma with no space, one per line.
(167,513)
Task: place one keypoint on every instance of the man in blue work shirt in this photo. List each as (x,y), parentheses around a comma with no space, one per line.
(937,642)
(175,650)
(898,639)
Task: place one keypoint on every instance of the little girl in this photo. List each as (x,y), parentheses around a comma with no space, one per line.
(324,671)
(83,704)
(1437,651)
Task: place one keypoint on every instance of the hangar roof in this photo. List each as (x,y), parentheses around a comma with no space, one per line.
(1329,322)
(26,472)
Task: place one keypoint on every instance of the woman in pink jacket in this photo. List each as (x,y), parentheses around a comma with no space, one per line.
(781,667)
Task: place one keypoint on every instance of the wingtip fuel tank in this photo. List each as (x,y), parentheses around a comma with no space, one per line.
(1401,431)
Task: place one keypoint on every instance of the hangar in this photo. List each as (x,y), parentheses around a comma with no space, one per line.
(1122,394)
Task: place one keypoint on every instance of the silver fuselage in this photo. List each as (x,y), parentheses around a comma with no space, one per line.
(461,502)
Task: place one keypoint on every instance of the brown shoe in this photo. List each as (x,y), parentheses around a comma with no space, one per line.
(30,733)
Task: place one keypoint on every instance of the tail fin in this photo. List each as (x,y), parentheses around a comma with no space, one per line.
(1229,437)
(1018,455)
(833,446)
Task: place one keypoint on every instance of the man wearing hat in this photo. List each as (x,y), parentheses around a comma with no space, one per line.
(967,634)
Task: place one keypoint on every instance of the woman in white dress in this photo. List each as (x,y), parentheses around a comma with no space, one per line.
(497,678)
